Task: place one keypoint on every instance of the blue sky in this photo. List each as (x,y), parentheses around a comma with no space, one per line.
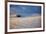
(25,10)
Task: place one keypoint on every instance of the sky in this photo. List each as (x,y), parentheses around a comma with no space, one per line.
(25,10)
